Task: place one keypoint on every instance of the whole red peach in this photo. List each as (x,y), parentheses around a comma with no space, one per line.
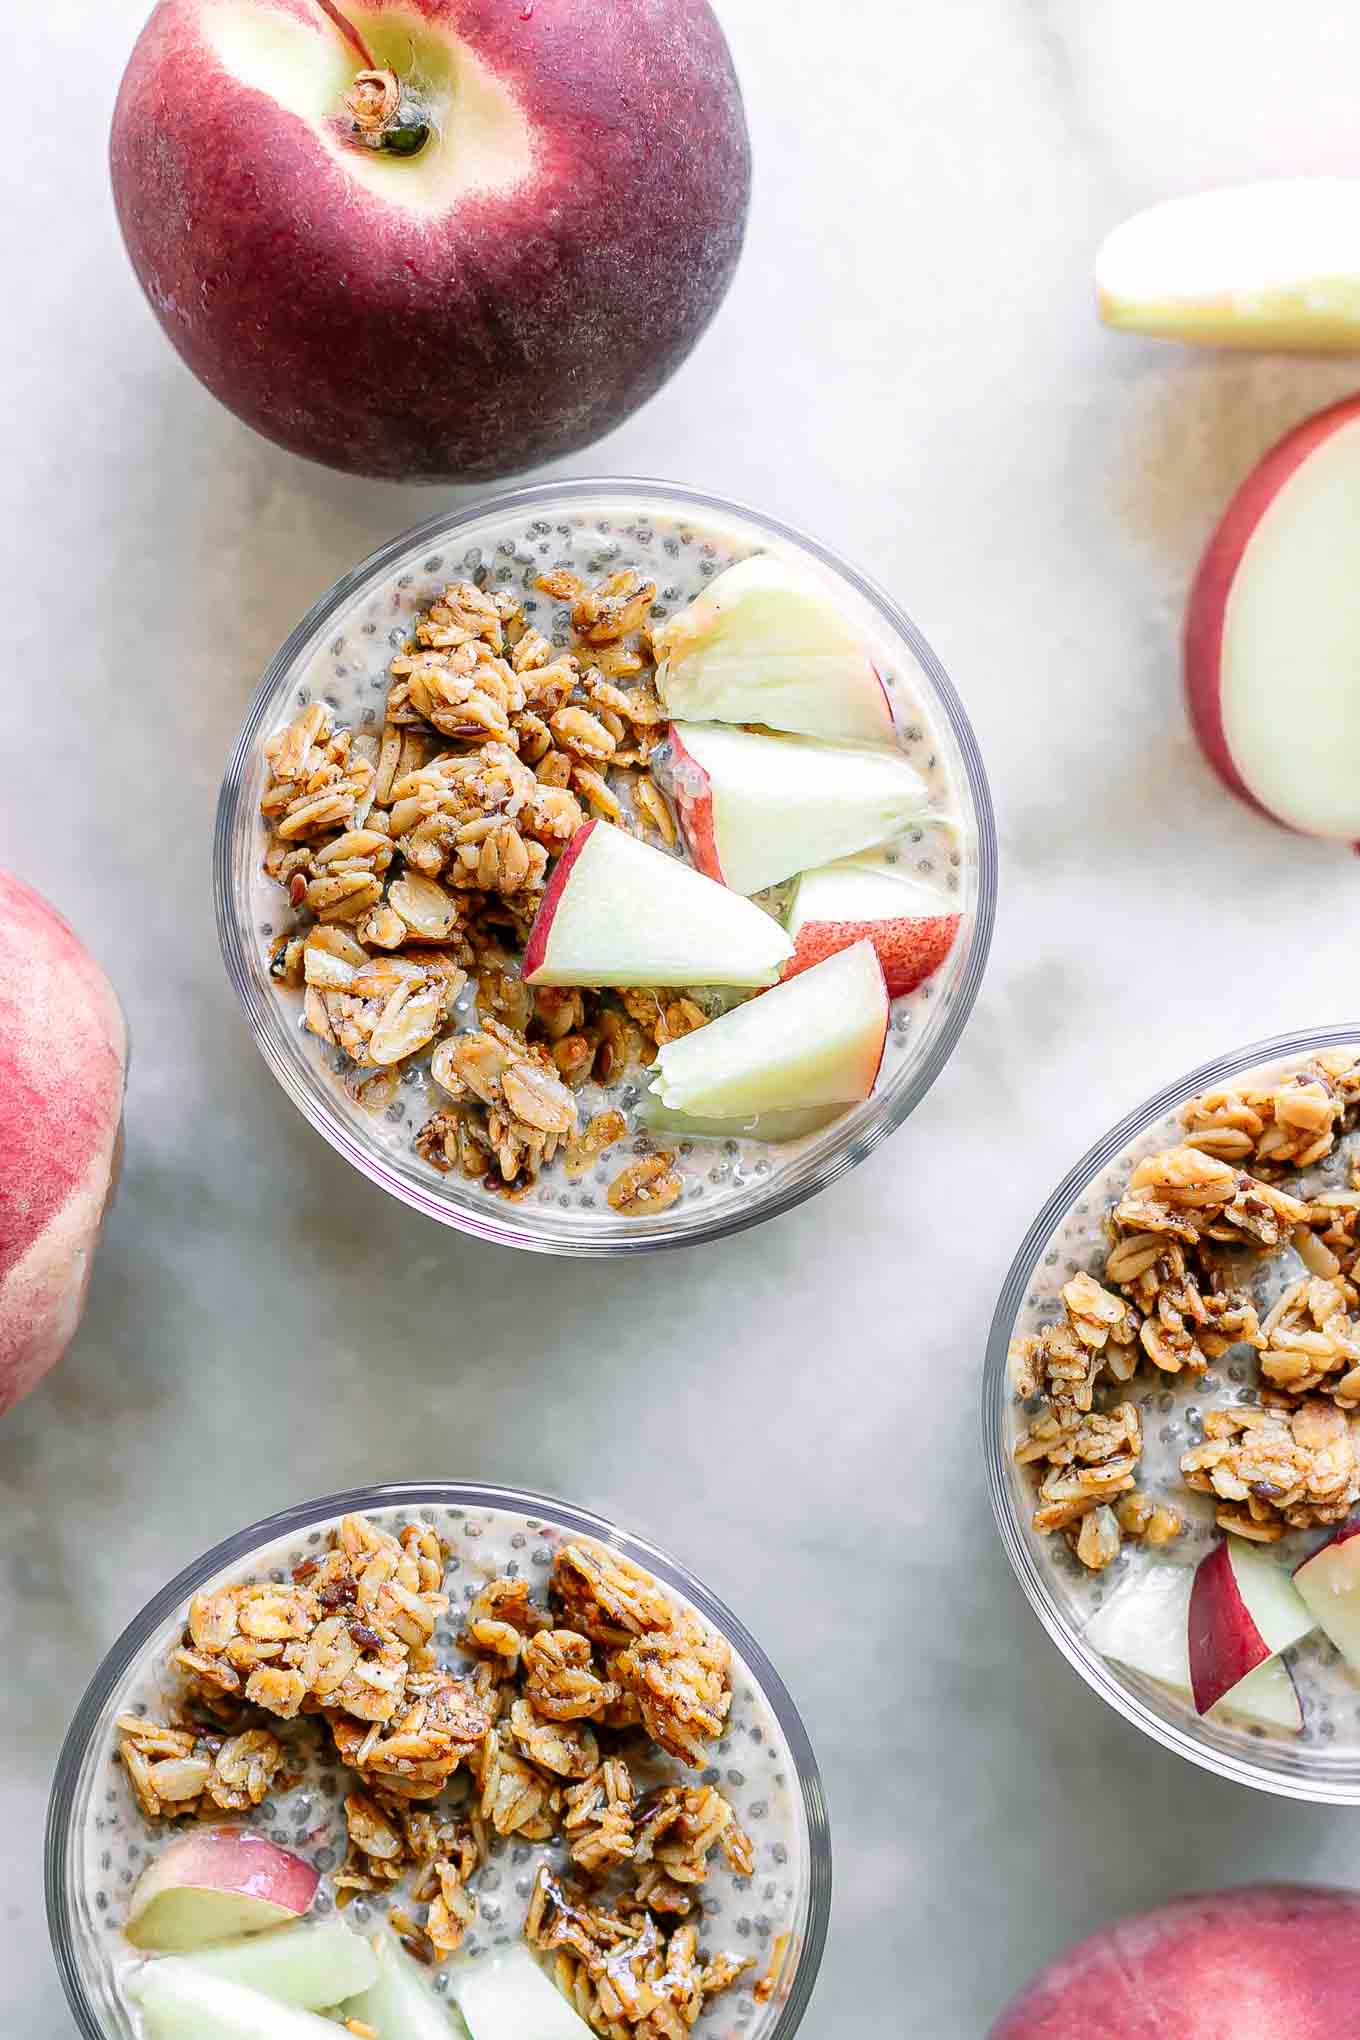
(560,234)
(1276,1959)
(63,1055)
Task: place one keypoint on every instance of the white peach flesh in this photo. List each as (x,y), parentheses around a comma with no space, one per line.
(311,1963)
(212,1884)
(619,912)
(817,1040)
(1272,636)
(757,808)
(765,643)
(1274,264)
(1329,1582)
(1144,1624)
(179,2002)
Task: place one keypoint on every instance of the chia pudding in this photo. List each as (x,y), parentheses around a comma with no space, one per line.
(536,1844)
(1241,1344)
(512,558)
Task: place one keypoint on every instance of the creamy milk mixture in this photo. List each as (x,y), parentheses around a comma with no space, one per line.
(1328,1690)
(752,1766)
(681,556)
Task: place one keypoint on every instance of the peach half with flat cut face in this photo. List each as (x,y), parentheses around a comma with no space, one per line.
(1272,633)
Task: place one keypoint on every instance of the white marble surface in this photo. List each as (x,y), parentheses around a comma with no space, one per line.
(908,364)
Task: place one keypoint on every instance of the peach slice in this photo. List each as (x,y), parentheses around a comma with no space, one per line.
(506,1996)
(756,808)
(213,1884)
(311,1964)
(618,912)
(1274,264)
(181,2002)
(863,899)
(774,1127)
(764,643)
(1144,1625)
(1329,1582)
(1282,1959)
(1243,1611)
(817,1040)
(399,2004)
(1272,632)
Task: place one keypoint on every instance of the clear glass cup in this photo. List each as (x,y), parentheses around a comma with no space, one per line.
(1323,1764)
(354,626)
(83,1914)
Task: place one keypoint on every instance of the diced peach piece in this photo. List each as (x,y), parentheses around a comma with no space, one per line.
(857,899)
(1243,1611)
(214,1883)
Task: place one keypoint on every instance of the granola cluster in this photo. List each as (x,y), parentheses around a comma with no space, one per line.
(415,862)
(668,1665)
(627,1976)
(195,1771)
(553,1733)
(1183,1240)
(1290,1125)
(1277,1465)
(347,1637)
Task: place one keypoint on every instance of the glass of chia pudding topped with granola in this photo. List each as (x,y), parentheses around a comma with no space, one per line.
(437,1761)
(605,867)
(1172,1416)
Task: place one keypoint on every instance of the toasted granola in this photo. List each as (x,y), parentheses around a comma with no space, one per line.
(1087,1459)
(1310,1340)
(1147,1521)
(598,1820)
(344,1636)
(500,1621)
(443,1722)
(566,1748)
(676,1831)
(602,1131)
(186,1772)
(628,1977)
(1290,1125)
(451,1907)
(560,1679)
(1187,1219)
(605,1596)
(379,1853)
(681,1679)
(517,1798)
(529,1111)
(523,1746)
(417,861)
(1277,1466)
(647,1185)
(526,1745)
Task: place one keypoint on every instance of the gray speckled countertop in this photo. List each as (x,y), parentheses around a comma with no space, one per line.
(909,365)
